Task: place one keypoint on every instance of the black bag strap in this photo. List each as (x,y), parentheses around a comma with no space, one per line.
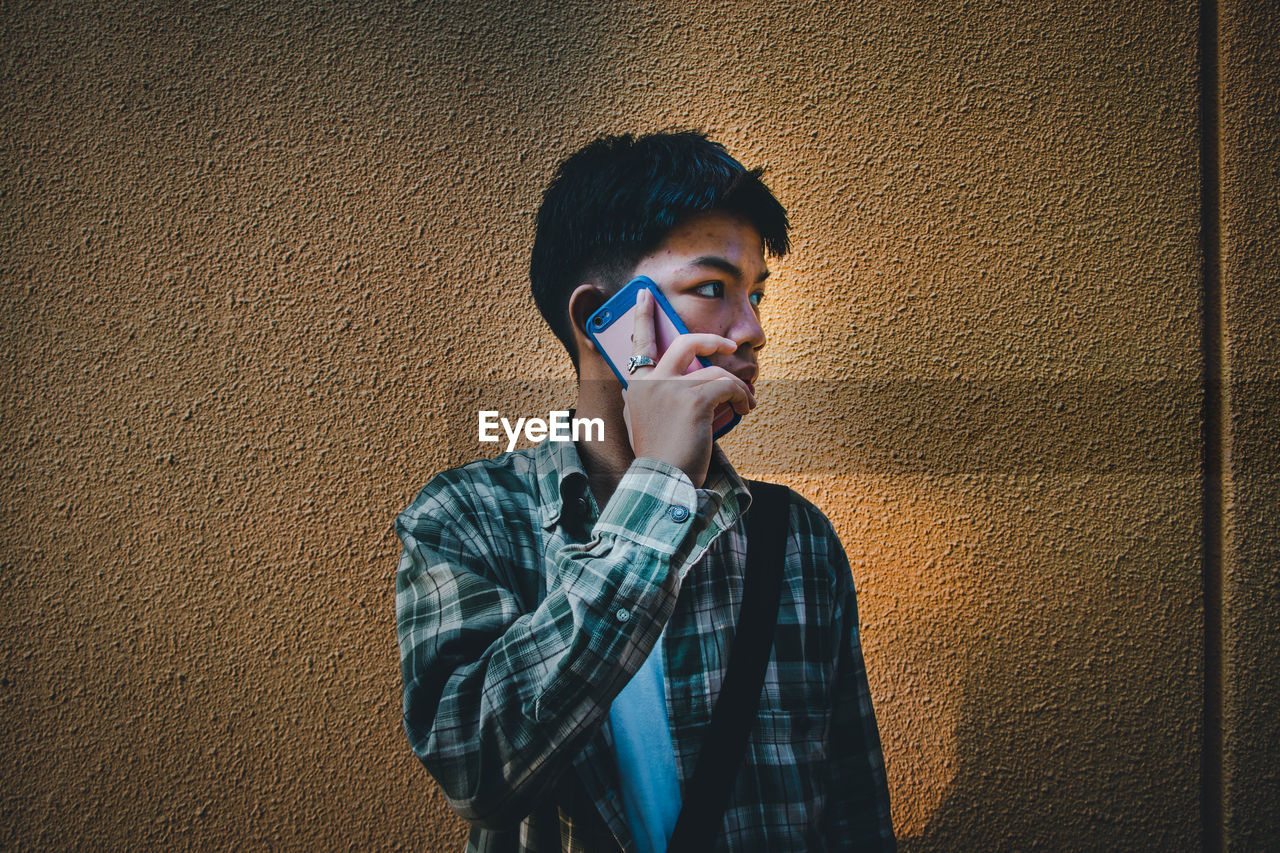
(725,744)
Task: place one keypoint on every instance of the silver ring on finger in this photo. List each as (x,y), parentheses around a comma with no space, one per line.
(638,361)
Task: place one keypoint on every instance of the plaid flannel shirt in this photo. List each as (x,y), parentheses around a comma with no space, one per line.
(522,611)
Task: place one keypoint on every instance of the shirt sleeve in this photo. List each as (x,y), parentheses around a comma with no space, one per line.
(498,701)
(859,810)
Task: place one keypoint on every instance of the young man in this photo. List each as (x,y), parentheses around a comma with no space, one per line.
(565,613)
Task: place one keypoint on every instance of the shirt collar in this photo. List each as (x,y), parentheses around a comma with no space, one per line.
(560,477)
(735,498)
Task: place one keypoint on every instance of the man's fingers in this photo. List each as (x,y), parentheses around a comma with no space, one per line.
(643,340)
(715,385)
(676,360)
(732,391)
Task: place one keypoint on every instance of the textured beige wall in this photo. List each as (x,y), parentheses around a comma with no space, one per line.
(1250,276)
(262,262)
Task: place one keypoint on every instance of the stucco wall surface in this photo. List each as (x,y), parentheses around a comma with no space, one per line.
(1250,124)
(263,262)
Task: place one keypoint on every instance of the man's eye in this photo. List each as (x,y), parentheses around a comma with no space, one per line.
(757,298)
(713,289)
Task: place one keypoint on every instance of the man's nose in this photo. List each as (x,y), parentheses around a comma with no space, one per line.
(746,329)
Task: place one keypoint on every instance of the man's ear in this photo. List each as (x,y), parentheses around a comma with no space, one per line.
(583,302)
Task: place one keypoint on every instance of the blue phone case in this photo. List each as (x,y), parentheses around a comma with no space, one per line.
(618,307)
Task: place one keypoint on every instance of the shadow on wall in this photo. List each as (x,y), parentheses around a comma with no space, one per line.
(1013,674)
(1025,615)
(1067,665)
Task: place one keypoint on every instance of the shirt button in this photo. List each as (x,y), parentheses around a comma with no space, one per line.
(679,513)
(622,615)
(581,503)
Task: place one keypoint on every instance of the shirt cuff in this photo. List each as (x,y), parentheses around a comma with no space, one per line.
(654,506)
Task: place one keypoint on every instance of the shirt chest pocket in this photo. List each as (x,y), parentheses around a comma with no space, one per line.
(795,706)
(789,738)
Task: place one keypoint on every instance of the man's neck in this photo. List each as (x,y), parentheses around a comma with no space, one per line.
(607,460)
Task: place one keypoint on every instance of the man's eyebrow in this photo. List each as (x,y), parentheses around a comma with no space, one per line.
(725,266)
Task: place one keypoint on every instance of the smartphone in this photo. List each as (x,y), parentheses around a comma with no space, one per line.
(610,329)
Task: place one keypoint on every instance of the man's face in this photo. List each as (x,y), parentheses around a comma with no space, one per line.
(712,271)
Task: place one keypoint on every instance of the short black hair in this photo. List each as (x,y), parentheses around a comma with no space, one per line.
(613,201)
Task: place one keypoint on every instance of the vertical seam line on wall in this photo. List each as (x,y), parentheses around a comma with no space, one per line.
(1213,410)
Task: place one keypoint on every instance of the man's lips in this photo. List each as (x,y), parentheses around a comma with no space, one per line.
(747,375)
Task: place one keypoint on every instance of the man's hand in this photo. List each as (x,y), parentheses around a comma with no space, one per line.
(668,412)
